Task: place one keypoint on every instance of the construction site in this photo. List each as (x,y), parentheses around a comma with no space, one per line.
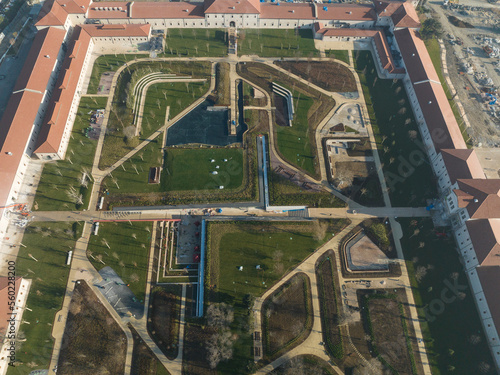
(472,63)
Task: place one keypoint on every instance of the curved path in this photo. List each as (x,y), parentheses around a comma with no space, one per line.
(312,344)
(82,268)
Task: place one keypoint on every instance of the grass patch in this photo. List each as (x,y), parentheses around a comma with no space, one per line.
(49,243)
(132,177)
(57,176)
(120,137)
(276,246)
(127,254)
(410,181)
(248,96)
(277,43)
(310,108)
(223,84)
(108,63)
(195,42)
(293,142)
(434,264)
(342,55)
(435,54)
(183,164)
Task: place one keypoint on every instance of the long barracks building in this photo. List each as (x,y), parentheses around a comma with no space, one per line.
(41,111)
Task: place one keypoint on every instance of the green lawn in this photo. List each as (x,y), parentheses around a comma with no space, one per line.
(132,176)
(451,330)
(435,53)
(108,63)
(406,168)
(277,43)
(159,96)
(127,254)
(58,176)
(190,169)
(49,243)
(293,141)
(342,55)
(276,246)
(195,42)
(180,168)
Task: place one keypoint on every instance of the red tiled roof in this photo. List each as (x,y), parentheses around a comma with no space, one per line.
(59,108)
(125,30)
(481,197)
(22,108)
(232,6)
(406,16)
(287,11)
(51,14)
(165,10)
(462,163)
(386,8)
(379,39)
(490,280)
(439,117)
(41,60)
(485,237)
(344,12)
(74,6)
(403,14)
(415,55)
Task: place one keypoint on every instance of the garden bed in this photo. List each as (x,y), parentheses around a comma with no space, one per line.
(92,338)
(310,109)
(328,75)
(329,298)
(144,361)
(164,315)
(286,316)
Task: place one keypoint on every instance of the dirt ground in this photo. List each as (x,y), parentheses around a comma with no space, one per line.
(105,83)
(144,362)
(285,313)
(92,339)
(280,114)
(387,326)
(328,75)
(163,321)
(195,353)
(483,130)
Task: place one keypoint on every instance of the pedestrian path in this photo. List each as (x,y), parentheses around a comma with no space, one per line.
(312,345)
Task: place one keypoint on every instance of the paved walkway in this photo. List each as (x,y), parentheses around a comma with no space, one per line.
(144,91)
(80,261)
(81,268)
(356,213)
(312,344)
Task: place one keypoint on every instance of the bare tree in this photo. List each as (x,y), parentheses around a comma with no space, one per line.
(219,315)
(219,348)
(74,195)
